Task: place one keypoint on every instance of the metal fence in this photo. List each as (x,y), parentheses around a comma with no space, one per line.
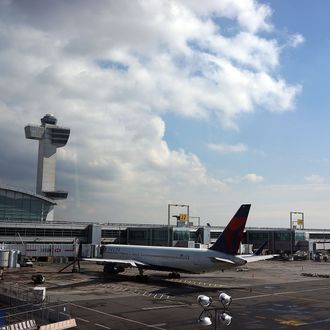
(20,304)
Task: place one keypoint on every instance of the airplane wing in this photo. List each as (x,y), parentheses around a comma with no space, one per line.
(123,262)
(253,258)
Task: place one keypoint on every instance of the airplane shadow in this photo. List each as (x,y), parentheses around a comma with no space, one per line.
(172,287)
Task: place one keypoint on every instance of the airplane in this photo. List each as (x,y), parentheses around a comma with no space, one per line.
(220,256)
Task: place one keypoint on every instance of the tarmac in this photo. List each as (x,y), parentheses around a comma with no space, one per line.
(265,295)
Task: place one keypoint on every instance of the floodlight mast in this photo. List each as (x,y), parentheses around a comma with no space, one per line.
(169,218)
(294,223)
(221,315)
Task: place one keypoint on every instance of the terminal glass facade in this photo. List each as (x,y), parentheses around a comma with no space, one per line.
(19,206)
(283,236)
(300,236)
(181,234)
(41,232)
(148,236)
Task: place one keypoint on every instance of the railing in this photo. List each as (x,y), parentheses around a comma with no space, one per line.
(22,304)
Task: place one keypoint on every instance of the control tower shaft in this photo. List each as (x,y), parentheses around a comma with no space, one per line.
(50,138)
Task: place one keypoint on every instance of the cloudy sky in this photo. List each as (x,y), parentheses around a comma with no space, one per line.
(206,103)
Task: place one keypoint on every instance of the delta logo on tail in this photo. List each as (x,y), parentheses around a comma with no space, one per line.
(230,239)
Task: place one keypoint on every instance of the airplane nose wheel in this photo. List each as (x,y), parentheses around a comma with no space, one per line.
(174,275)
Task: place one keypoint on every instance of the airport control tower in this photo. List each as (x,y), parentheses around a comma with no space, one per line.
(50,138)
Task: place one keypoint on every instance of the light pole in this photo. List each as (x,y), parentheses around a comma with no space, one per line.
(221,315)
(169,218)
(297,222)
(293,226)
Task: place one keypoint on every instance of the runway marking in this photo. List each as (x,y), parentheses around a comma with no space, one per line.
(159,325)
(79,318)
(281,293)
(199,283)
(137,291)
(160,307)
(117,317)
(102,326)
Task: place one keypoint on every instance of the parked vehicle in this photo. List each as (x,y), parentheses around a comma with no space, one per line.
(26,262)
(38,279)
(321,256)
(300,255)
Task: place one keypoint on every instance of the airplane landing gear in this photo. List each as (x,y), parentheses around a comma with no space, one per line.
(173,275)
(141,277)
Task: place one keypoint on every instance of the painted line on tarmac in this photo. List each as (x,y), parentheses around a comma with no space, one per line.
(280,293)
(102,326)
(80,319)
(118,317)
(200,284)
(254,297)
(161,307)
(138,291)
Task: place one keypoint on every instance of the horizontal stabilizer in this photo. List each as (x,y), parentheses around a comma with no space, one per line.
(227,261)
(253,258)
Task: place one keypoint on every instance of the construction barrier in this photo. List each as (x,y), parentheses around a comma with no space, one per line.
(59,325)
(26,325)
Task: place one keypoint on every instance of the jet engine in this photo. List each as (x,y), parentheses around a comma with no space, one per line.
(112,268)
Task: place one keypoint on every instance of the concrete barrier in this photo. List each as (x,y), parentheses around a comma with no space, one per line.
(25,325)
(59,325)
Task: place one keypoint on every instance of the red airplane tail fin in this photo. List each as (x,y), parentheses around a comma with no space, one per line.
(230,239)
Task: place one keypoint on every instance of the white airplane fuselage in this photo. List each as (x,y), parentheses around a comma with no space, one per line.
(188,260)
(220,256)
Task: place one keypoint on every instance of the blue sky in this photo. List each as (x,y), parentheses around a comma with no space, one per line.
(285,147)
(308,65)
(211,104)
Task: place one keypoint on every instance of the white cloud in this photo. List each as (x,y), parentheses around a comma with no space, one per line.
(228,148)
(250,177)
(156,49)
(314,178)
(296,40)
(110,70)
(249,14)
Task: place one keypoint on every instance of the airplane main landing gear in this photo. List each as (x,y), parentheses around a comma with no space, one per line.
(173,275)
(141,277)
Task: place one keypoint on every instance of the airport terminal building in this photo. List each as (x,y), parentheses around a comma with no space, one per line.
(20,206)
(28,218)
(279,240)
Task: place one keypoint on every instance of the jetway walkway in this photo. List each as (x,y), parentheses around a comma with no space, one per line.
(53,250)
